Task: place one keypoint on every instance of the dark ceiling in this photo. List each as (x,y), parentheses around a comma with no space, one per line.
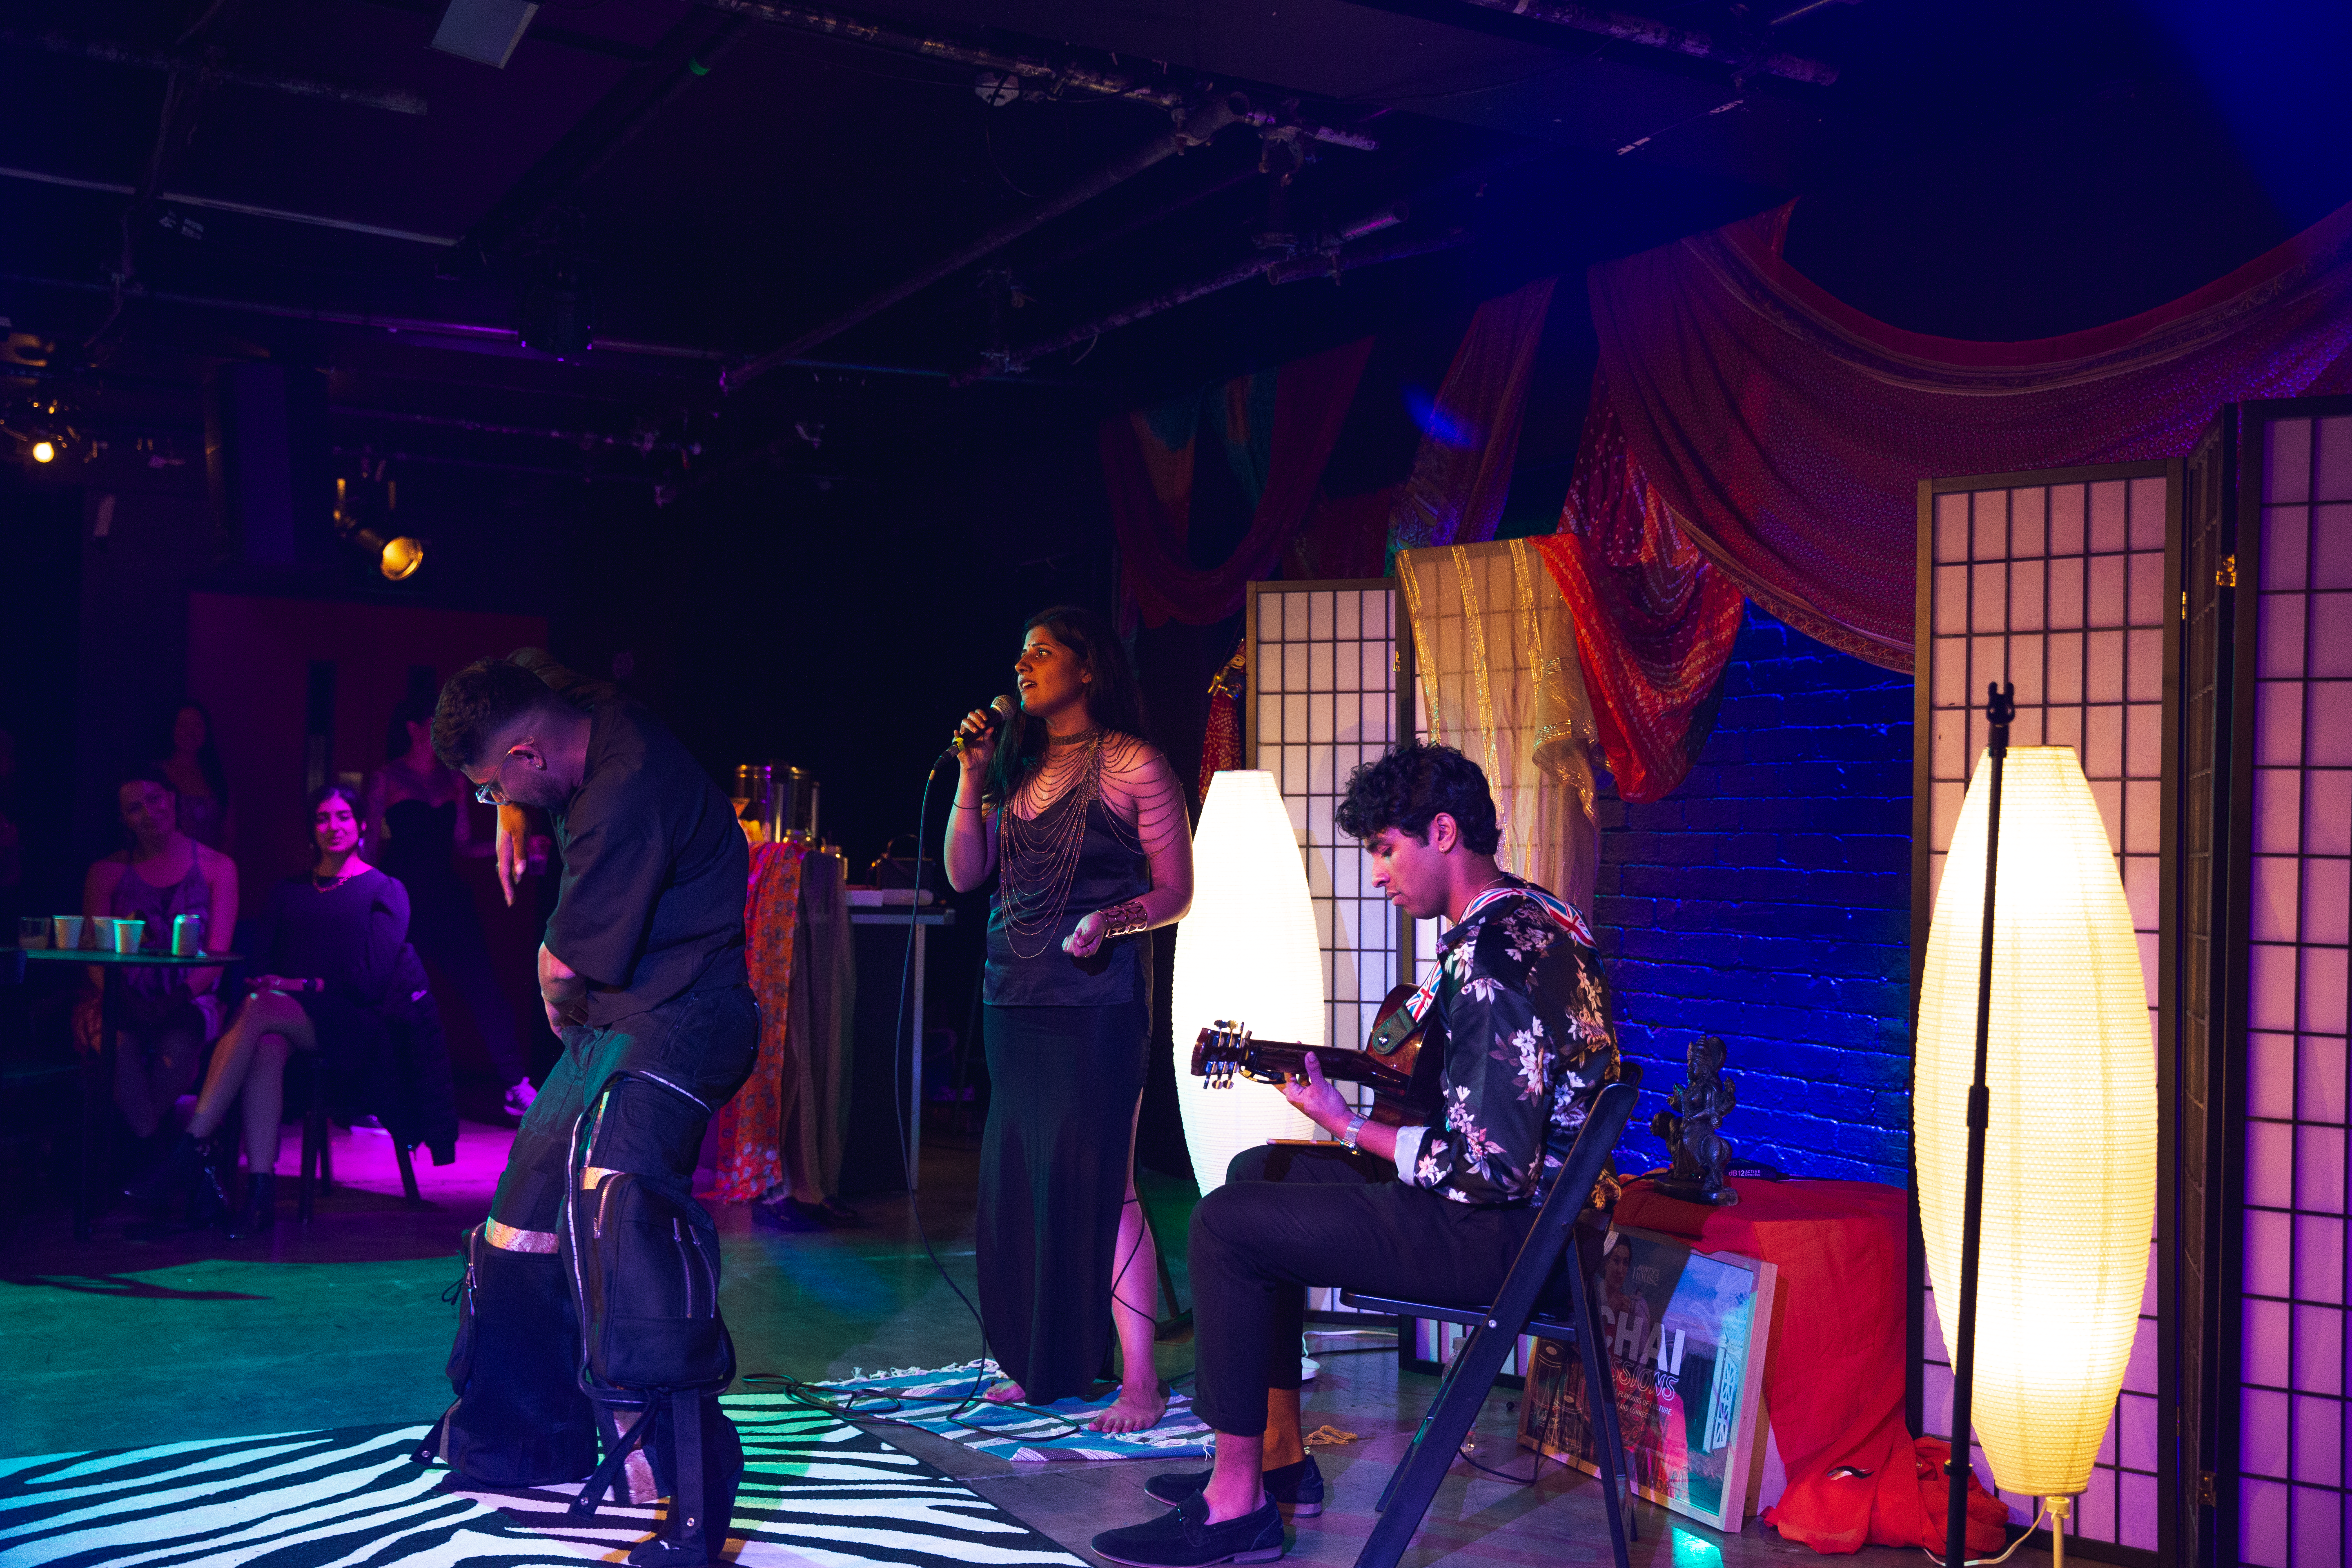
(689,186)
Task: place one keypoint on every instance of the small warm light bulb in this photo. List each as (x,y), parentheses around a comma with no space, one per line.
(402,557)
(45,451)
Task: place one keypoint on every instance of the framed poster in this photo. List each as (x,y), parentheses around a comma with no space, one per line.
(1685,1335)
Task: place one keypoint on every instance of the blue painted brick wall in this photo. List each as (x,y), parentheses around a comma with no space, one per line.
(1768,899)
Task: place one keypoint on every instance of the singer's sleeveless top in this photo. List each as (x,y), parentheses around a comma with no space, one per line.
(1029,969)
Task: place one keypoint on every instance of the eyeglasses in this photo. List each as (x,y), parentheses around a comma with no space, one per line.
(490,793)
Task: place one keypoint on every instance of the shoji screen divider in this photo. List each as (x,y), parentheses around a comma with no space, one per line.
(2066,584)
(1326,691)
(2275,565)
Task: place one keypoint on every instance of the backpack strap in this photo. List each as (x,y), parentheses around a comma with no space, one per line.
(592,1495)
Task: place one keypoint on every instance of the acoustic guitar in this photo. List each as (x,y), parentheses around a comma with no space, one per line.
(1404,1088)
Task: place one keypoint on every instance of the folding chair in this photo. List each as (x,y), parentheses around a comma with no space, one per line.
(318,1153)
(1495,1329)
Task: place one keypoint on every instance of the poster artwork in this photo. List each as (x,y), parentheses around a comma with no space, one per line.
(1683,1334)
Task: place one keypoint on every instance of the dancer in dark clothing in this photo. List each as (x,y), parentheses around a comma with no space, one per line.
(642,974)
(417,827)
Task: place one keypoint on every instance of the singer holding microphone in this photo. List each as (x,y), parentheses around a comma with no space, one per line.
(1084,827)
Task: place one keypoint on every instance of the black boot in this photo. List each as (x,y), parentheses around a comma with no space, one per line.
(172,1174)
(258,1213)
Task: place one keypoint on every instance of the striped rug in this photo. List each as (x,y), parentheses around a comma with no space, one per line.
(817,1493)
(943,1401)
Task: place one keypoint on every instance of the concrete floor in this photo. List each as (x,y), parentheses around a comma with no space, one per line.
(125,1341)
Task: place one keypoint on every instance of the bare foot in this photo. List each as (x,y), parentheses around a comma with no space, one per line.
(1134,1412)
(1007,1393)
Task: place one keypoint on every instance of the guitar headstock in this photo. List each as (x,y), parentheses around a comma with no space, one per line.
(1222,1052)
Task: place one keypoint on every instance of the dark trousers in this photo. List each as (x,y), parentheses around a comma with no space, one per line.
(1290,1216)
(520,1418)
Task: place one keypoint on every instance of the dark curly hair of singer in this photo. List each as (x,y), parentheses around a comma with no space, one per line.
(479,703)
(1408,787)
(1114,696)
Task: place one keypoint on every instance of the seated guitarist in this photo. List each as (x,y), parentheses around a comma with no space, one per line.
(1519,1011)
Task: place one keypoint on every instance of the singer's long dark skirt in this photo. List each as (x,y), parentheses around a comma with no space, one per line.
(1062,1087)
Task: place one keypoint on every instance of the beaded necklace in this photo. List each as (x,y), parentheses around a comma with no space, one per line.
(1040,854)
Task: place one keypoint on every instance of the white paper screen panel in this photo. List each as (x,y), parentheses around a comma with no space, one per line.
(1323,698)
(2292,1414)
(2060,588)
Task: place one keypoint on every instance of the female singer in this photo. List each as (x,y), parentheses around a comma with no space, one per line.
(1085,826)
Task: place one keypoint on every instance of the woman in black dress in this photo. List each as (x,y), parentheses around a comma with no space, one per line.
(417,825)
(330,952)
(1084,826)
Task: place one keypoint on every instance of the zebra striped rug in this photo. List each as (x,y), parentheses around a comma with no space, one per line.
(816,1493)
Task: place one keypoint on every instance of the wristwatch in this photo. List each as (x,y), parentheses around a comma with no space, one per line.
(1348,1139)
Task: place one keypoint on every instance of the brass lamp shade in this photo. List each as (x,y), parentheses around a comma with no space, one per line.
(2070,1149)
(1247,952)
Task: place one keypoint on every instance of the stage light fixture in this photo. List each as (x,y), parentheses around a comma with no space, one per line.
(400,557)
(45,451)
(2070,1123)
(1247,952)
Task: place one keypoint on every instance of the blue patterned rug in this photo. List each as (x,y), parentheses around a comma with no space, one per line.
(940,1401)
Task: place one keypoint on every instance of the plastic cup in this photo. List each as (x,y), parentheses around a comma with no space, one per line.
(69,930)
(126,934)
(101,933)
(32,931)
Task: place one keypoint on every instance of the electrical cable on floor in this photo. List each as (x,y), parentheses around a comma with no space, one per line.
(1989,1562)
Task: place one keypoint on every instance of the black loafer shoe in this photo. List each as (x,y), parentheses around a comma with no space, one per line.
(1183,1538)
(1297,1489)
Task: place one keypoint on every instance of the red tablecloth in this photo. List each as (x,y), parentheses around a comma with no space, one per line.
(1833,1378)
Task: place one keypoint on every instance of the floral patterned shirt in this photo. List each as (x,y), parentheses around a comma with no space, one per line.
(1523,1012)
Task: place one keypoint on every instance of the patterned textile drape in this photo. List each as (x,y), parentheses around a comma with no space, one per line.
(751,1125)
(1785,433)
(1495,649)
(815,1105)
(1221,746)
(1275,428)
(1654,621)
(1462,472)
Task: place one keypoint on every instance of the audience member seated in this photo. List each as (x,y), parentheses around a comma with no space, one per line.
(166,1015)
(191,764)
(332,973)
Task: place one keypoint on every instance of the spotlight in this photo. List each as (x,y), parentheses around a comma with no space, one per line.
(45,451)
(400,557)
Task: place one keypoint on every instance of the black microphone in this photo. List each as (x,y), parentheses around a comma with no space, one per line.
(999,711)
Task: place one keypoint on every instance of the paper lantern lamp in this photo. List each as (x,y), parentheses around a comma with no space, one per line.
(1247,953)
(2070,1144)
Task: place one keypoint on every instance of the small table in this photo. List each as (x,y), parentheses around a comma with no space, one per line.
(97,1096)
(921,919)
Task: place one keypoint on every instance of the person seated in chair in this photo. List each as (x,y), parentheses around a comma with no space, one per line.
(331,968)
(1519,1014)
(166,1015)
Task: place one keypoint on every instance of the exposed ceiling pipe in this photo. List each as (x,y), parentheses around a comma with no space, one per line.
(215,204)
(1070,75)
(211,64)
(1194,129)
(1280,267)
(1664,35)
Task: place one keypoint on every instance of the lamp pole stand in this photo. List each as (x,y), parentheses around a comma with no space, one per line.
(2000,708)
(2061,1510)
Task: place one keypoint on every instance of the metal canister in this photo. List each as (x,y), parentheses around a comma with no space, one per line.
(791,804)
(187,935)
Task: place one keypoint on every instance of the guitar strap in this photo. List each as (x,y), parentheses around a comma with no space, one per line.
(1424,995)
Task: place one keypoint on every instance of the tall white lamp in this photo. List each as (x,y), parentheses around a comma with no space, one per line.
(2033,1123)
(1246,952)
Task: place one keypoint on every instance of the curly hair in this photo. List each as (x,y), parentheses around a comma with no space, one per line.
(1408,787)
(478,701)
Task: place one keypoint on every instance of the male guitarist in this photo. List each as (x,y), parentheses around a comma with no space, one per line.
(1521,1013)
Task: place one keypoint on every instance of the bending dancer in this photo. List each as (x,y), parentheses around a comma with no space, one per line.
(1519,1010)
(417,822)
(642,978)
(1085,824)
(329,947)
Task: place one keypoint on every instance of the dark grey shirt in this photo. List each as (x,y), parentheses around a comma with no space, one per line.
(655,867)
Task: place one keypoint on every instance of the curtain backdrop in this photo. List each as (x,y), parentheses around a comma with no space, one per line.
(1785,433)
(1462,471)
(1495,648)
(1274,427)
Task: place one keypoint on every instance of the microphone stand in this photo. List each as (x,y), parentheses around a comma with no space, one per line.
(2000,708)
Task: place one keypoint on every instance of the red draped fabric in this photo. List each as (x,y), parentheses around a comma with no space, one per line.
(751,1125)
(1655,623)
(1150,481)
(1787,433)
(1462,471)
(1833,1378)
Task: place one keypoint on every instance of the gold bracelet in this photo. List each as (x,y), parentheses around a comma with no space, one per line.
(1126,919)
